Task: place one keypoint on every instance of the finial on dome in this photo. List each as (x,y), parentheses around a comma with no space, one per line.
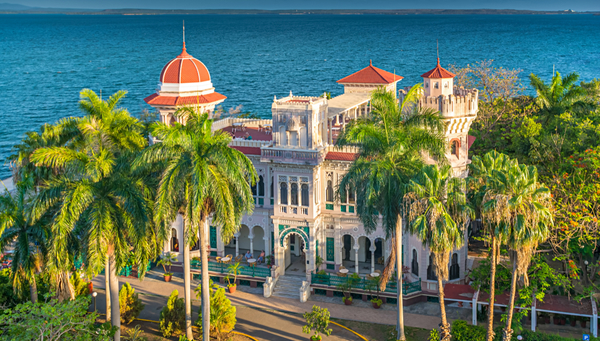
(370,62)
(274,98)
(291,93)
(437,47)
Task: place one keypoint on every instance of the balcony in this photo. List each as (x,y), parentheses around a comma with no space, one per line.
(222,268)
(361,283)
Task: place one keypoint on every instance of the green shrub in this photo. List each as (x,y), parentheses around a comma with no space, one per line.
(172,317)
(130,304)
(461,331)
(79,285)
(222,314)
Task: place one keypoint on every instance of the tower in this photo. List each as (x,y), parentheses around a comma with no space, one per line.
(184,81)
(458,108)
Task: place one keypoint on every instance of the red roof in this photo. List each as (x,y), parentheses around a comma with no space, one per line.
(458,292)
(339,156)
(248,150)
(156,99)
(184,69)
(438,72)
(371,75)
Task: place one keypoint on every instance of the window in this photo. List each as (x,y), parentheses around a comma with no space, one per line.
(272,181)
(283,193)
(261,186)
(294,192)
(431,269)
(329,192)
(436,85)
(454,147)
(174,241)
(426,85)
(415,263)
(305,200)
(351,194)
(454,267)
(343,196)
(446,85)
(253,188)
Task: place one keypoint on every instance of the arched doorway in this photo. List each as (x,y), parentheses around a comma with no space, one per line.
(379,251)
(294,255)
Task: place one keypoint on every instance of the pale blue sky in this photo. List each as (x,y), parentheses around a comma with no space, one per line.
(577,5)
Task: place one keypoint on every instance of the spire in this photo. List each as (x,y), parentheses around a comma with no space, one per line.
(370,62)
(437,47)
(184,53)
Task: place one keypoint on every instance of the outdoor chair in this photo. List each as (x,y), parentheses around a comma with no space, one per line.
(377,271)
(380,260)
(239,258)
(341,267)
(218,259)
(230,258)
(339,274)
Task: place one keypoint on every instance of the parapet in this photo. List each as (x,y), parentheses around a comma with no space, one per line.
(462,103)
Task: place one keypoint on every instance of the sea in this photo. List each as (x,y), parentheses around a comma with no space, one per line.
(46,60)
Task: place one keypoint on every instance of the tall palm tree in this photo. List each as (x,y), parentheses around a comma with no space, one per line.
(561,95)
(523,207)
(438,214)
(481,170)
(391,142)
(203,177)
(27,237)
(99,201)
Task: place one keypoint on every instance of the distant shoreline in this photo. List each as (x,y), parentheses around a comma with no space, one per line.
(291,12)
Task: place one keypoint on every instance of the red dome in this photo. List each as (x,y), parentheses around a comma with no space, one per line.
(184,69)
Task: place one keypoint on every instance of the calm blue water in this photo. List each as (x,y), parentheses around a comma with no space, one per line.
(45,60)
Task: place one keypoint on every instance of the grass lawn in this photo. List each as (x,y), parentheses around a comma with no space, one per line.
(383,332)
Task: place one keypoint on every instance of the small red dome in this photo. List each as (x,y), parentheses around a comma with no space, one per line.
(184,69)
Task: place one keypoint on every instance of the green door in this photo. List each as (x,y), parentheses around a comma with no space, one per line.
(330,250)
(213,239)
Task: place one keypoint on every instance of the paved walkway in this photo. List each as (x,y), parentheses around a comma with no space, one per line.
(155,287)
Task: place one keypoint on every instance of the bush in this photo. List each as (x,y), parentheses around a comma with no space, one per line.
(172,317)
(130,304)
(222,314)
(461,331)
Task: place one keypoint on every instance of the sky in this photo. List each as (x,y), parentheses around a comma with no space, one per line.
(577,5)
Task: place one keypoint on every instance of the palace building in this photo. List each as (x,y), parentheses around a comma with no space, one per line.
(297,214)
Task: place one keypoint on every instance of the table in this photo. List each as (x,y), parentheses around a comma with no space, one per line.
(343,271)
(374,274)
(251,261)
(238,124)
(225,259)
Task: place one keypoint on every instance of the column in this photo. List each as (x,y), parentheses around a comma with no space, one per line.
(356,247)
(237,244)
(267,244)
(251,237)
(337,244)
(372,249)
(533,313)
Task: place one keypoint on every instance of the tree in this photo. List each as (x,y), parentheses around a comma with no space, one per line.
(481,169)
(438,214)
(317,320)
(53,321)
(203,177)
(390,142)
(102,207)
(27,236)
(522,207)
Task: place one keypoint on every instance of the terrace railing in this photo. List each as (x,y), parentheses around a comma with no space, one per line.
(362,283)
(222,268)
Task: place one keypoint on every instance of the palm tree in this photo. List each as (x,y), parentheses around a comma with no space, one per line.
(481,170)
(438,215)
(522,206)
(561,95)
(100,202)
(27,237)
(391,141)
(203,177)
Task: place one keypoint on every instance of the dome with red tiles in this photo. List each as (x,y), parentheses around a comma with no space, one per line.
(184,69)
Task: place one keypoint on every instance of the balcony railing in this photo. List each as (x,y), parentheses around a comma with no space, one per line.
(222,268)
(363,283)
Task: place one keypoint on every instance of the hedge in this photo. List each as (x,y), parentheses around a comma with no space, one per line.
(461,331)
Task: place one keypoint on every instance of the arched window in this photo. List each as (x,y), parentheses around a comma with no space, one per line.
(454,147)
(343,196)
(329,192)
(272,192)
(436,85)
(415,263)
(174,241)
(305,200)
(294,192)
(261,186)
(283,194)
(426,85)
(282,136)
(351,194)
(454,267)
(253,188)
(431,269)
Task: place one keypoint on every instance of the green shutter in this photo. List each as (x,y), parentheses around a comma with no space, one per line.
(213,237)
(317,248)
(330,250)
(272,242)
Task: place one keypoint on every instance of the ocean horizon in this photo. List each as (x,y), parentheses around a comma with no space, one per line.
(45,60)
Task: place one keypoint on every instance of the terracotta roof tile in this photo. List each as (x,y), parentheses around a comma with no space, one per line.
(438,72)
(339,156)
(184,69)
(371,75)
(156,99)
